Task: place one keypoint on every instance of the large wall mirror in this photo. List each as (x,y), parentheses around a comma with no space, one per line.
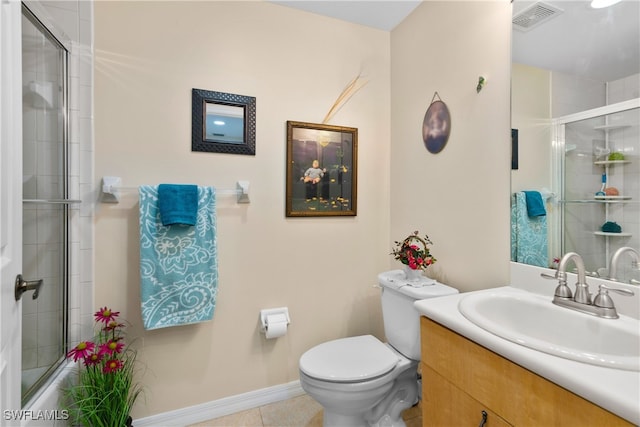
(575,99)
(223,122)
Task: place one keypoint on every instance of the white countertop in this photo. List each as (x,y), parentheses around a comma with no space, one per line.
(616,390)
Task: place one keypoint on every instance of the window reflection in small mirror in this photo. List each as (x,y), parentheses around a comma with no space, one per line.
(224,123)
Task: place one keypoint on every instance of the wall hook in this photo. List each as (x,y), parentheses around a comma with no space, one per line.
(481,82)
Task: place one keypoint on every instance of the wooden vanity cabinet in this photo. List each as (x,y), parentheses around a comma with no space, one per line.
(461,379)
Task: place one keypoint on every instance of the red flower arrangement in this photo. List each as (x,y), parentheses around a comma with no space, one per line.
(414,252)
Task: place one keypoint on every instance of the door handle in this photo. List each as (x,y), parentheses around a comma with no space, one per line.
(483,421)
(23,286)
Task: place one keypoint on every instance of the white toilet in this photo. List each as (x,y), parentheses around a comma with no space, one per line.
(361,381)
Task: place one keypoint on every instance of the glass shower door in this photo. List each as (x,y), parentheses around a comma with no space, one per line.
(601,187)
(45,204)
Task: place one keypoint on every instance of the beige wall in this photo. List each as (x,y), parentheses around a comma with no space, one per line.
(531,115)
(148,57)
(460,196)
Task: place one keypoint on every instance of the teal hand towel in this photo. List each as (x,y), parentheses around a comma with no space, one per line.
(178,204)
(535,205)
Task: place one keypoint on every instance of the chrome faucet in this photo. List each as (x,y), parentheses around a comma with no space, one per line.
(582,289)
(613,265)
(602,305)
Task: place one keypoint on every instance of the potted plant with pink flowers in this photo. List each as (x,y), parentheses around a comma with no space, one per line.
(105,391)
(415,255)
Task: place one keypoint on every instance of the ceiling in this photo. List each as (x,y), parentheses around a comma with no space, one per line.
(602,44)
(381,14)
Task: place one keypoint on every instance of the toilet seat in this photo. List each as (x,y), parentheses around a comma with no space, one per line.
(352,359)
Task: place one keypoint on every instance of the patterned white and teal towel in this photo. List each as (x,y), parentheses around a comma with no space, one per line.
(529,241)
(178,264)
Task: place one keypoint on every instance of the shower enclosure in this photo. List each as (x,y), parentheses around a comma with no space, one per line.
(45,204)
(596,158)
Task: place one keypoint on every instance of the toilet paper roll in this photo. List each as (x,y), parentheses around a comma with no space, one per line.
(276,326)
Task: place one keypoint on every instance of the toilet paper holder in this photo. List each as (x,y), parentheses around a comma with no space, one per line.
(271,312)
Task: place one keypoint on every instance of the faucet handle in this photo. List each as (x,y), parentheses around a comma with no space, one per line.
(562,290)
(604,300)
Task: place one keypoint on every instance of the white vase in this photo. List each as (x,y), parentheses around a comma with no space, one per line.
(412,275)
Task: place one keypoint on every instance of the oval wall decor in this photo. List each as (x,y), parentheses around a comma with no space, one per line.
(436,126)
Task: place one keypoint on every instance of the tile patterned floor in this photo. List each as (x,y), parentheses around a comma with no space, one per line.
(301,411)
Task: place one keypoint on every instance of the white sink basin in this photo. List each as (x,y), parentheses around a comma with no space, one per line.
(533,321)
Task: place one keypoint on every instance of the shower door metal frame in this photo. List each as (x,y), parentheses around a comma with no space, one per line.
(64,201)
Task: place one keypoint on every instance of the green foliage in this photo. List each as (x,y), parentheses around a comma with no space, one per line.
(103,391)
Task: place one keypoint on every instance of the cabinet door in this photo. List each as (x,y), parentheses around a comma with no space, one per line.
(517,394)
(446,405)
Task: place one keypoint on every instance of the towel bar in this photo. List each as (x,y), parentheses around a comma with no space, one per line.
(52,201)
(111,187)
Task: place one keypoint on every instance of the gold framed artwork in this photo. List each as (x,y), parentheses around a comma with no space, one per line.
(322,164)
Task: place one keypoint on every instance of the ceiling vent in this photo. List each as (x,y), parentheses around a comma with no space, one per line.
(534,15)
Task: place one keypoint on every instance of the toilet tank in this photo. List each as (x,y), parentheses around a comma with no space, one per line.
(401,319)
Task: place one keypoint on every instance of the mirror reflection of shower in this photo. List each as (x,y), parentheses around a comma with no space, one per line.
(598,164)
(567,75)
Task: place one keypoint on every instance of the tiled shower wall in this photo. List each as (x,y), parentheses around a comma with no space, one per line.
(71,23)
(627,140)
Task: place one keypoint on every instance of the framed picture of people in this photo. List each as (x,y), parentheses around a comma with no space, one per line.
(322,164)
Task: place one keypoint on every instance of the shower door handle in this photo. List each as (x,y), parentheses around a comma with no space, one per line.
(23,286)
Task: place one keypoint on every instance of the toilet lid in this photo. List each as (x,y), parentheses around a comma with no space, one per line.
(348,359)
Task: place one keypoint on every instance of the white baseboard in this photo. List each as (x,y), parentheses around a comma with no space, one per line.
(220,408)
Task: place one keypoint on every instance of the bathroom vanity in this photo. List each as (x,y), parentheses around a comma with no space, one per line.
(461,379)
(470,375)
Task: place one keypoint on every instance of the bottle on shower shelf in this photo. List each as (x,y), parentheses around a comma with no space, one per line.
(604,186)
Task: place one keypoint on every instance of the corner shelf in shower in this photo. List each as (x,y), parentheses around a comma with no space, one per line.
(602,233)
(603,199)
(611,162)
(612,199)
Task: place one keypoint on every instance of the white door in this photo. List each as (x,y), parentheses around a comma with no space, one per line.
(10,208)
